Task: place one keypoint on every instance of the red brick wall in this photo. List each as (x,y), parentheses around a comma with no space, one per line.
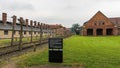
(96,22)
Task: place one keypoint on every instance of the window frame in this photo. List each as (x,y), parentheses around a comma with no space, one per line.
(6,32)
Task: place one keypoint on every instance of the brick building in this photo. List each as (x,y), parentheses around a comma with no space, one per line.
(58,30)
(6,28)
(99,24)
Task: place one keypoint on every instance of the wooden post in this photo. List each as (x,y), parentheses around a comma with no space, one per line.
(41,28)
(13,30)
(31,23)
(47,32)
(50,31)
(36,37)
(34,47)
(55,32)
(21,32)
(16,39)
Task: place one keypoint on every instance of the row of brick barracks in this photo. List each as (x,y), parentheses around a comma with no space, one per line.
(48,30)
(99,24)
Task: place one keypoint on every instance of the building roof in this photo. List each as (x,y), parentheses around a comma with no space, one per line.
(8,26)
(55,26)
(115,20)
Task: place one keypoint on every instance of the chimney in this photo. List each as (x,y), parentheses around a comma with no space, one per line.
(4,18)
(38,24)
(14,19)
(44,26)
(48,26)
(54,26)
(34,23)
(26,22)
(31,23)
(41,25)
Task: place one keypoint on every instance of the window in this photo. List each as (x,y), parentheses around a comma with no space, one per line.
(5,32)
(29,32)
(24,32)
(101,23)
(14,32)
(34,32)
(19,32)
(95,23)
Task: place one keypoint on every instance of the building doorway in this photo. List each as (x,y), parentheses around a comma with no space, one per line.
(109,31)
(99,32)
(89,31)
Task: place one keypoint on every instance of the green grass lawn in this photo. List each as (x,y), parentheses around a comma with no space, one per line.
(6,42)
(92,52)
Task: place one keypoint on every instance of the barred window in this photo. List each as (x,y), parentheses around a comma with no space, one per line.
(24,32)
(95,23)
(29,32)
(101,23)
(14,32)
(5,32)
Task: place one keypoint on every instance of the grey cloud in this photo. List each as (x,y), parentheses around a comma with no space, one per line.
(21,6)
(64,12)
(16,5)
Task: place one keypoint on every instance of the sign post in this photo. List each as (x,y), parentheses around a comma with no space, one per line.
(56,50)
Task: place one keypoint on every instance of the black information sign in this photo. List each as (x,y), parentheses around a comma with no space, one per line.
(55,43)
(56,50)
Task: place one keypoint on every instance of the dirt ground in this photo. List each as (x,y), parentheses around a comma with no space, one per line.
(13,65)
(51,66)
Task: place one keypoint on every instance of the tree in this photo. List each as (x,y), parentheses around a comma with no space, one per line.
(76,28)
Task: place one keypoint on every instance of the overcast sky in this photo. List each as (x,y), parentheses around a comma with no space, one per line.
(65,12)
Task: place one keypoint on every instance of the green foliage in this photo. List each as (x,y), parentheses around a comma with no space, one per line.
(91,52)
(76,28)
